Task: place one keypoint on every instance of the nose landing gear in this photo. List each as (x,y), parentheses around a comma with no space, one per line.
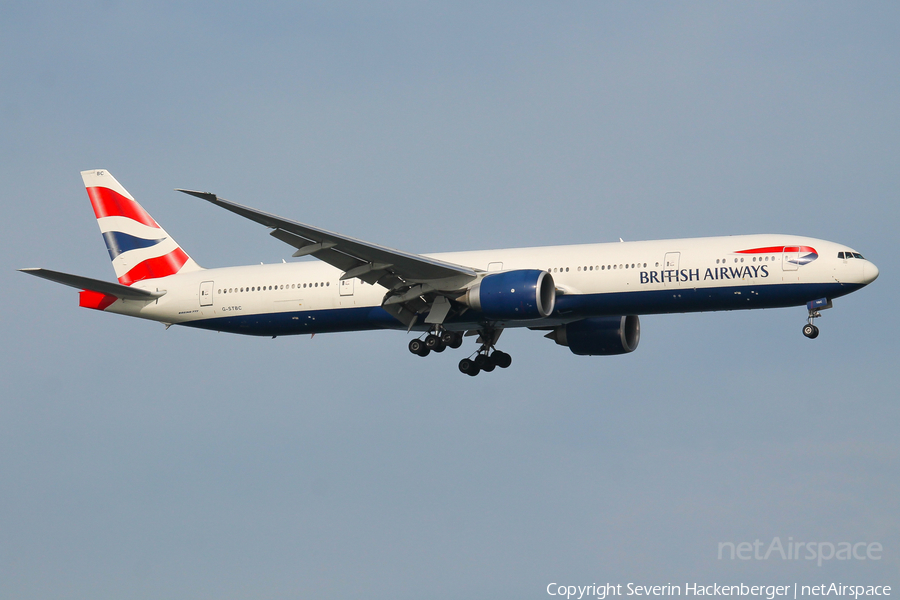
(810,330)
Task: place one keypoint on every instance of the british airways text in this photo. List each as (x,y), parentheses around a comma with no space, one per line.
(678,275)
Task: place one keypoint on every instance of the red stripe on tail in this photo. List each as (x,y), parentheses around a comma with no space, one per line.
(108,203)
(153,268)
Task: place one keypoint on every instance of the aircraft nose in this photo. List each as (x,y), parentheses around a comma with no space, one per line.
(870,272)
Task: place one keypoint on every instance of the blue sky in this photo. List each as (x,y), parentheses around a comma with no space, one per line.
(147,463)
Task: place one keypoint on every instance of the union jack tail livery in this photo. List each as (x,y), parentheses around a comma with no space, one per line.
(138,247)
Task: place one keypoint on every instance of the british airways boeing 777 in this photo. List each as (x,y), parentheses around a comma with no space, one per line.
(587,297)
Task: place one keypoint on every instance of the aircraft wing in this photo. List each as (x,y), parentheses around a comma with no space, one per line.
(95,285)
(398,271)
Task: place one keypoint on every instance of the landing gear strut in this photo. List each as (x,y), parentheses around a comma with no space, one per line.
(486,358)
(810,330)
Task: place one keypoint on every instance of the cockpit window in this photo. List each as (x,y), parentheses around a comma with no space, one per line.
(857,255)
(840,255)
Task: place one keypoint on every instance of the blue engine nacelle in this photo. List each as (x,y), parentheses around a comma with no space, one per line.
(599,336)
(513,295)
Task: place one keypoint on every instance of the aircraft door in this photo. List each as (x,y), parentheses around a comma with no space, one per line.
(790,258)
(347,287)
(206,293)
(670,269)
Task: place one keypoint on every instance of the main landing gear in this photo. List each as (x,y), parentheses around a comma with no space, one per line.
(486,358)
(436,341)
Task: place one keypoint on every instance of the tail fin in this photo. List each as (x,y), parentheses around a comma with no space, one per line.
(138,247)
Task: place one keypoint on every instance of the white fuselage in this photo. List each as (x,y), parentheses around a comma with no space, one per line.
(622,278)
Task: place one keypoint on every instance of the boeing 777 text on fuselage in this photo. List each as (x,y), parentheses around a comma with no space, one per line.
(587,297)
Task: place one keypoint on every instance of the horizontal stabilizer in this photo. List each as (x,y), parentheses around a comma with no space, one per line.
(96,285)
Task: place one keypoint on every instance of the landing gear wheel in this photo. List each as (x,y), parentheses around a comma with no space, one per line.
(418,347)
(433,342)
(501,359)
(488,363)
(811,331)
(452,339)
(468,367)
